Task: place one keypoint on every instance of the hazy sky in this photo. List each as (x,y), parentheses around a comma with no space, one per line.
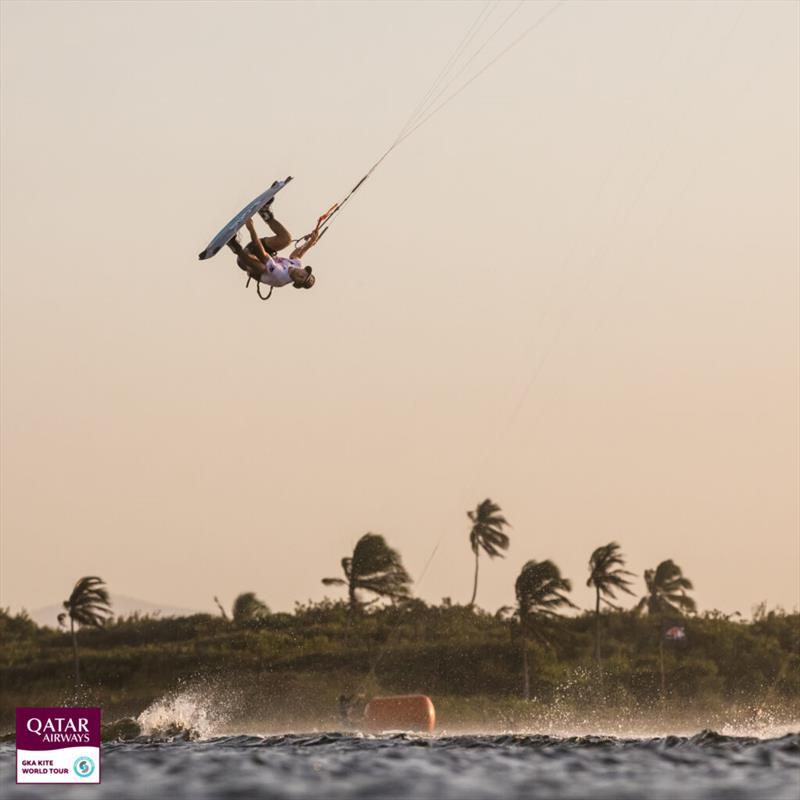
(574,290)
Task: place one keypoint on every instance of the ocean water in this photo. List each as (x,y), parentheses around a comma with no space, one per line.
(480,767)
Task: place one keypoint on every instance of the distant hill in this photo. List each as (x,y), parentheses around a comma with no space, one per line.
(121,604)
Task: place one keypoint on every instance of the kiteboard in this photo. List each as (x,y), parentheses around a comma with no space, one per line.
(250,210)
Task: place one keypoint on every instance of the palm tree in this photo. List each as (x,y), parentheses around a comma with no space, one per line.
(487,535)
(374,567)
(607,576)
(248,607)
(666,596)
(540,594)
(87,605)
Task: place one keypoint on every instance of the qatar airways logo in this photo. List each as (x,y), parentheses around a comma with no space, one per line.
(61,730)
(58,745)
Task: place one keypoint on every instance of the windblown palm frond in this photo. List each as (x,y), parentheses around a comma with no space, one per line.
(347,569)
(540,591)
(88,604)
(487,529)
(666,596)
(374,567)
(607,575)
(248,607)
(377,568)
(606,572)
(666,591)
(486,534)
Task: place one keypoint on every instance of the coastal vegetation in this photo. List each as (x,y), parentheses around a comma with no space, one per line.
(374,568)
(544,652)
(294,664)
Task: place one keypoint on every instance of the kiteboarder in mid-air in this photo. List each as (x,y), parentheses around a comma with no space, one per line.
(260,259)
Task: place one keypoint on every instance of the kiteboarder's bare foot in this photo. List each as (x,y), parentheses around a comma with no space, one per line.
(235,246)
(265,212)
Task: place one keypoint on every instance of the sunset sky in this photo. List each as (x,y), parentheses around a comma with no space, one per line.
(574,290)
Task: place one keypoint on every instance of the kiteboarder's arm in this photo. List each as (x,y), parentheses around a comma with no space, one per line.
(257,242)
(254,266)
(300,251)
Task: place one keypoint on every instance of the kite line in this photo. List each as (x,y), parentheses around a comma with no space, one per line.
(430,104)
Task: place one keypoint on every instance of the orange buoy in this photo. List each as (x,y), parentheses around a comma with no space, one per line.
(405,712)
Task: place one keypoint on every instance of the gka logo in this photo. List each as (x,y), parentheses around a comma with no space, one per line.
(83,766)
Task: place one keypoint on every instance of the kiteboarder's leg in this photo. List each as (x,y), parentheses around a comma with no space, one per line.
(245,257)
(236,246)
(281,239)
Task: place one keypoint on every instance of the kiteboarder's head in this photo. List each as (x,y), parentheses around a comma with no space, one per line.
(302,277)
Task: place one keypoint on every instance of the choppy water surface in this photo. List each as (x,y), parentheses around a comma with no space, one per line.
(334,765)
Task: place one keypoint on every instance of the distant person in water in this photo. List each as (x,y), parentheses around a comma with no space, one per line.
(260,259)
(351,710)
(345,704)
